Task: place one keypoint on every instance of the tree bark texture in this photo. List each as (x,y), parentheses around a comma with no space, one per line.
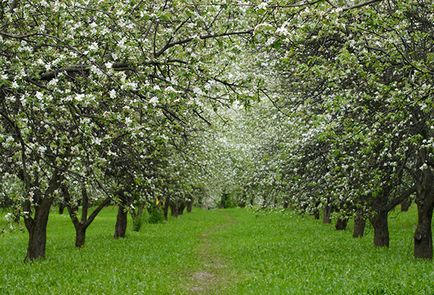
(381,229)
(37,228)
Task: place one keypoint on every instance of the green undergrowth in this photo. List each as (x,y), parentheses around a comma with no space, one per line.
(261,253)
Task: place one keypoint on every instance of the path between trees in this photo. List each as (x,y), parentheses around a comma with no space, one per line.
(213,275)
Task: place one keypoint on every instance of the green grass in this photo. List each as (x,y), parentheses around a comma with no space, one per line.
(262,253)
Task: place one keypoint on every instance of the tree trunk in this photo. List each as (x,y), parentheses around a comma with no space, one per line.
(327,214)
(121,223)
(341,223)
(166,208)
(425,202)
(189,206)
(359,225)
(423,235)
(61,207)
(181,208)
(381,229)
(37,229)
(80,235)
(173,209)
(405,205)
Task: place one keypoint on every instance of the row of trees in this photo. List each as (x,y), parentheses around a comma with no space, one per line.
(102,101)
(349,123)
(106,101)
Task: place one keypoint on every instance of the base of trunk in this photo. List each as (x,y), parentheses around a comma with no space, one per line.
(80,237)
(341,223)
(121,223)
(327,210)
(359,226)
(423,236)
(381,229)
(405,205)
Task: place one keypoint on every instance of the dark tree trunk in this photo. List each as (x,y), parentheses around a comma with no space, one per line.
(359,225)
(341,223)
(381,229)
(189,206)
(423,235)
(285,204)
(80,235)
(37,229)
(166,208)
(173,209)
(405,205)
(181,208)
(121,223)
(425,202)
(61,207)
(327,210)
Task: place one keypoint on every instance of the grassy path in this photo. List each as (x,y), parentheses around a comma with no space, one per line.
(213,273)
(231,251)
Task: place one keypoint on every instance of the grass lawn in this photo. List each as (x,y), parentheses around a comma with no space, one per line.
(233,251)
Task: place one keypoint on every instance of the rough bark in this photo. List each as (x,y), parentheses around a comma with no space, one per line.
(359,225)
(37,228)
(341,223)
(327,210)
(381,229)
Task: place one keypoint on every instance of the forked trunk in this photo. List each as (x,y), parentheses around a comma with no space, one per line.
(381,229)
(359,225)
(341,223)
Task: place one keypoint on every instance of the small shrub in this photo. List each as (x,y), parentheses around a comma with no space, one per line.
(156,214)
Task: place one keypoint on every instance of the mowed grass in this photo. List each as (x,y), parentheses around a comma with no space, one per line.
(261,253)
